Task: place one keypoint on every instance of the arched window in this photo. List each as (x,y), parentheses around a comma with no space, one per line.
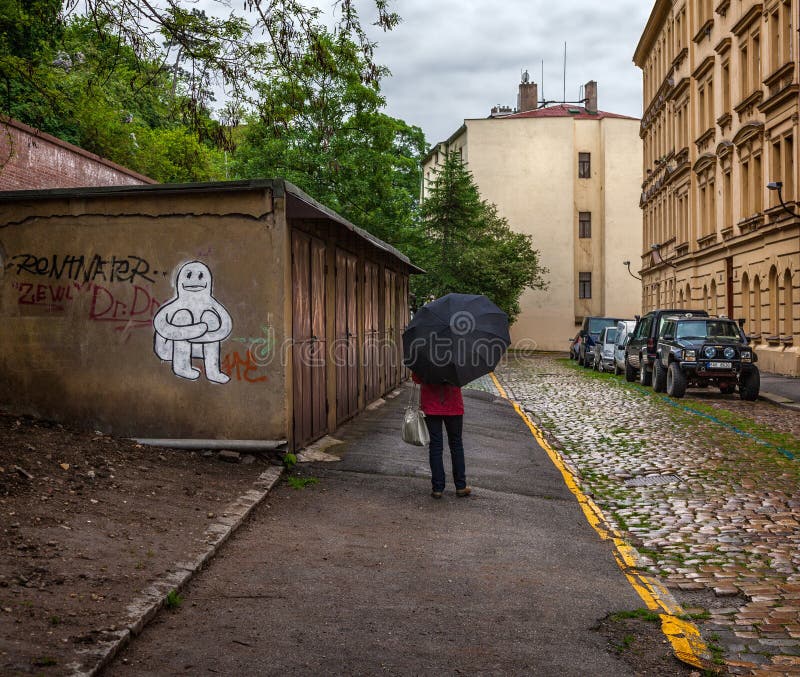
(681,300)
(788,304)
(746,314)
(757,305)
(688,296)
(712,305)
(706,299)
(774,325)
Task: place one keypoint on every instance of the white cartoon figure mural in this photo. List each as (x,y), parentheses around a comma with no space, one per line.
(192,324)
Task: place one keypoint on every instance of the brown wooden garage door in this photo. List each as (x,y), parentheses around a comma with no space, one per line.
(308,333)
(347,336)
(372,335)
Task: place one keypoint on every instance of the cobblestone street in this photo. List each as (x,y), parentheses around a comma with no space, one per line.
(705,488)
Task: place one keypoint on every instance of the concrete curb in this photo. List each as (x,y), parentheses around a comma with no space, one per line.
(780,400)
(153,598)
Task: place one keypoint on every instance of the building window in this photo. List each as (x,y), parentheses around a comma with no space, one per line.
(584,285)
(584,165)
(584,224)
(726,87)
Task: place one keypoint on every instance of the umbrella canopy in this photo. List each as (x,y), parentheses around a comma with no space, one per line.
(456,339)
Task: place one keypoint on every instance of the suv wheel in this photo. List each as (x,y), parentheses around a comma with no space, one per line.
(750,384)
(659,377)
(630,372)
(676,381)
(645,375)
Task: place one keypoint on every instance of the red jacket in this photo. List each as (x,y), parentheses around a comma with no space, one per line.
(440,399)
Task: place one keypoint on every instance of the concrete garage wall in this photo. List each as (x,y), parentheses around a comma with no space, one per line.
(31,159)
(82,275)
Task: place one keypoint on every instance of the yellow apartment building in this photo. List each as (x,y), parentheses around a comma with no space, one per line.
(720,123)
(568,175)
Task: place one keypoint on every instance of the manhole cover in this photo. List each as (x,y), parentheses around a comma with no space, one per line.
(650,480)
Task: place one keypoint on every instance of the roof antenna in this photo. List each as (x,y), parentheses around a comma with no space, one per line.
(541,90)
(564,96)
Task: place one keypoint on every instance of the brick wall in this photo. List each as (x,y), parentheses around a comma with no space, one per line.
(31,159)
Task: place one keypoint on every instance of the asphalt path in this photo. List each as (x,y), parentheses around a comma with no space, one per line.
(364,573)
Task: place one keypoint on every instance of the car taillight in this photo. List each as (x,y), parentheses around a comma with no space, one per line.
(651,345)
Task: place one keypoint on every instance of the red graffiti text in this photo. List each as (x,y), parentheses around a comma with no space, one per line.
(242,368)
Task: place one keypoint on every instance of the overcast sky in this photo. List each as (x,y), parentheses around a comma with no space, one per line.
(455,59)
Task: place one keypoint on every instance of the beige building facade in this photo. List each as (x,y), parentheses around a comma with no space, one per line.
(720,123)
(568,175)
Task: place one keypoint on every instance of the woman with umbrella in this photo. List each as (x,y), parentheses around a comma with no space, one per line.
(450,342)
(442,404)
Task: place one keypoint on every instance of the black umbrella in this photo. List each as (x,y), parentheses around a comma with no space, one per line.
(456,339)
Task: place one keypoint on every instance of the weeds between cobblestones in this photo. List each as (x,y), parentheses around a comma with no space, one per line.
(706,489)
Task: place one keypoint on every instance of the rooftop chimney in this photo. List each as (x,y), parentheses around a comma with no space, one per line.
(590,94)
(528,97)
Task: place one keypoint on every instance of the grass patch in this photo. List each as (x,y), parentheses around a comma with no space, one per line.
(301,482)
(782,440)
(173,600)
(625,643)
(641,614)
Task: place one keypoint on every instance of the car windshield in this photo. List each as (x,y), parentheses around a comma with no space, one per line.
(596,324)
(706,329)
(611,335)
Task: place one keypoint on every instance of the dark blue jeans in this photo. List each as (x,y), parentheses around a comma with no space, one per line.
(454,426)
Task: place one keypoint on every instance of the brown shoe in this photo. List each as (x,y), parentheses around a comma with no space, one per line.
(466,491)
(437,494)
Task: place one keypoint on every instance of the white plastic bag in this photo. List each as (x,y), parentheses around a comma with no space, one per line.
(414,429)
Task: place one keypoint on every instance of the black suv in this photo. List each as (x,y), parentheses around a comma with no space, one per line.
(589,333)
(703,351)
(641,349)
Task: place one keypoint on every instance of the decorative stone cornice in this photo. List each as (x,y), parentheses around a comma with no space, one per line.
(705,161)
(749,102)
(703,31)
(747,132)
(651,31)
(724,149)
(705,65)
(723,45)
(747,20)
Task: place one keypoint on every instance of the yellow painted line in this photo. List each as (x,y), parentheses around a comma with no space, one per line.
(687,644)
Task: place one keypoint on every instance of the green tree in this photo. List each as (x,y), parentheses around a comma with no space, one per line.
(472,249)
(91,90)
(322,129)
(264,38)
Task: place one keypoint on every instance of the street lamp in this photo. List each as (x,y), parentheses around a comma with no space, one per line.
(628,264)
(778,185)
(657,251)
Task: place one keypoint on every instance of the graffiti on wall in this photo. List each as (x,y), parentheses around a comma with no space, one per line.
(96,277)
(81,268)
(248,367)
(192,325)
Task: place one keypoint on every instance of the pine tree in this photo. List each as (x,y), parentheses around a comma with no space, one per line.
(471,249)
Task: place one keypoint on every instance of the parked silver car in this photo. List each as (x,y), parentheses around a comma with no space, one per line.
(604,349)
(624,329)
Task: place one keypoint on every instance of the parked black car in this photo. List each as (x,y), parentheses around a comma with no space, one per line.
(589,333)
(640,352)
(705,351)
